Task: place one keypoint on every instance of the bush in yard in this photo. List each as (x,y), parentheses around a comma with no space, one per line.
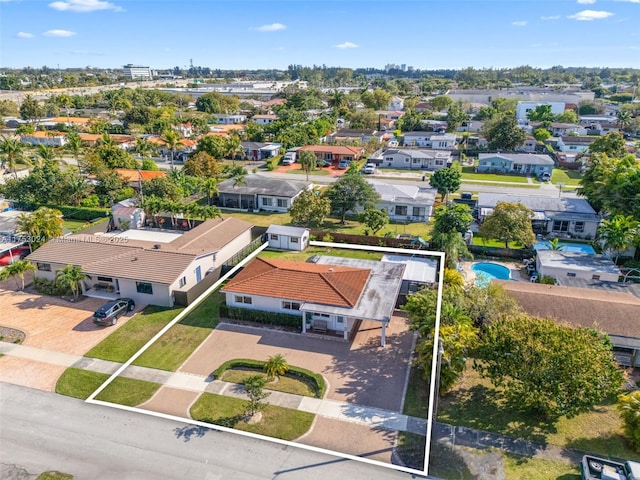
(261,316)
(629,408)
(276,366)
(254,386)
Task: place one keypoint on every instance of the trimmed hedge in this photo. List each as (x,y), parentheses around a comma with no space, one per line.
(315,379)
(261,316)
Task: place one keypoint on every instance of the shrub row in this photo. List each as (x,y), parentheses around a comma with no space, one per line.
(314,379)
(50,288)
(71,212)
(261,316)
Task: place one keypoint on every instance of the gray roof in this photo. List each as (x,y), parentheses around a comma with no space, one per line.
(286,230)
(521,158)
(551,206)
(378,299)
(259,185)
(424,154)
(404,193)
(418,269)
(616,287)
(576,261)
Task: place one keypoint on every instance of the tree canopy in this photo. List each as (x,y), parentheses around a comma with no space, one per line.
(550,369)
(509,222)
(349,192)
(446,181)
(503,133)
(310,209)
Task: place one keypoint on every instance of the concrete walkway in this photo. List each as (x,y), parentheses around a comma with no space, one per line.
(332,409)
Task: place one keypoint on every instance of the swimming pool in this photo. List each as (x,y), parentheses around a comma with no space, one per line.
(567,247)
(487,271)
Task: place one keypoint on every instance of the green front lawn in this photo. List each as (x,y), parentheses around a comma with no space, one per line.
(568,177)
(287,384)
(54,476)
(277,422)
(489,242)
(324,172)
(311,251)
(475,403)
(468,173)
(523,468)
(128,339)
(416,401)
(176,345)
(78,383)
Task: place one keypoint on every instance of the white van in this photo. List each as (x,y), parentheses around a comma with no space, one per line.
(289,158)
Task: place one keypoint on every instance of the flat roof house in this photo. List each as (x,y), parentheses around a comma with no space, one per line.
(152,267)
(405,202)
(413,159)
(557,263)
(516,163)
(338,292)
(260,193)
(560,217)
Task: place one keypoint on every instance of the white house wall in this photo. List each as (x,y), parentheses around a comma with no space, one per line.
(586,275)
(233,247)
(160,295)
(268,304)
(273,203)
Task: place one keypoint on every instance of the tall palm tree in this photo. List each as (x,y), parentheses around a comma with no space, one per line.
(17,269)
(209,212)
(233,146)
(12,151)
(172,139)
(144,148)
(237,177)
(46,154)
(40,226)
(618,233)
(209,186)
(74,146)
(624,118)
(71,276)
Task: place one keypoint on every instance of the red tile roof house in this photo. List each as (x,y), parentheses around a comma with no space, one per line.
(334,153)
(333,294)
(156,267)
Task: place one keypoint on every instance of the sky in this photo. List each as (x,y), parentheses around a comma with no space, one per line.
(250,34)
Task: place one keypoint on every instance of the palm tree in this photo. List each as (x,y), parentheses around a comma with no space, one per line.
(40,226)
(232,146)
(70,276)
(17,269)
(618,233)
(624,119)
(144,148)
(453,246)
(554,244)
(152,205)
(209,212)
(172,139)
(237,176)
(74,146)
(629,408)
(308,162)
(46,154)
(12,151)
(209,186)
(276,365)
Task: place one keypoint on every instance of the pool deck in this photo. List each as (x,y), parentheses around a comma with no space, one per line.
(514,267)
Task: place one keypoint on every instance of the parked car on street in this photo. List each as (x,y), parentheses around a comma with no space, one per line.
(109,313)
(369,168)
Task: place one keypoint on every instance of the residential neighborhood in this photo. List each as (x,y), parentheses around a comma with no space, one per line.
(434,270)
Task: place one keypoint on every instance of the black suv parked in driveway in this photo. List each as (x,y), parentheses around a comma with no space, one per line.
(109,313)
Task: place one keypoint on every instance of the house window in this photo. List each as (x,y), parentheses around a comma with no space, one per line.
(43,267)
(406,160)
(401,210)
(439,162)
(290,305)
(183,282)
(419,211)
(560,225)
(340,319)
(321,315)
(571,274)
(266,201)
(389,159)
(273,237)
(144,287)
(595,277)
(416,160)
(294,240)
(579,227)
(105,279)
(282,202)
(243,299)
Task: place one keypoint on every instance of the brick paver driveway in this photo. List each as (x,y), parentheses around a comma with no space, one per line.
(361,372)
(51,324)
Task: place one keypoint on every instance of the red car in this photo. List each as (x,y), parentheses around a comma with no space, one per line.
(14,255)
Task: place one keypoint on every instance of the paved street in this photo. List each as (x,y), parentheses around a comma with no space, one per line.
(42,431)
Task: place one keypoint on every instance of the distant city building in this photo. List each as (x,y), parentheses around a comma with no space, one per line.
(137,72)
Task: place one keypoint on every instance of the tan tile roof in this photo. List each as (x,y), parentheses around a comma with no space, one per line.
(79,120)
(614,313)
(307,282)
(210,236)
(47,134)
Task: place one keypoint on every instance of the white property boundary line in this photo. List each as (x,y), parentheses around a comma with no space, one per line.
(91,399)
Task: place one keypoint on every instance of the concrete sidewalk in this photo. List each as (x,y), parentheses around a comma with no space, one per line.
(375,417)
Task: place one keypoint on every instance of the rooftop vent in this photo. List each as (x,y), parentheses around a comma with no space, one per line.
(157,246)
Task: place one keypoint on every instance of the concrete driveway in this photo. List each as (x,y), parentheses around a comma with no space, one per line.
(50,323)
(361,372)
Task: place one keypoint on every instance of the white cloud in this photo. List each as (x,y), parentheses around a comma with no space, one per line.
(519,23)
(59,33)
(346,45)
(24,35)
(588,15)
(551,17)
(84,6)
(586,2)
(272,27)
